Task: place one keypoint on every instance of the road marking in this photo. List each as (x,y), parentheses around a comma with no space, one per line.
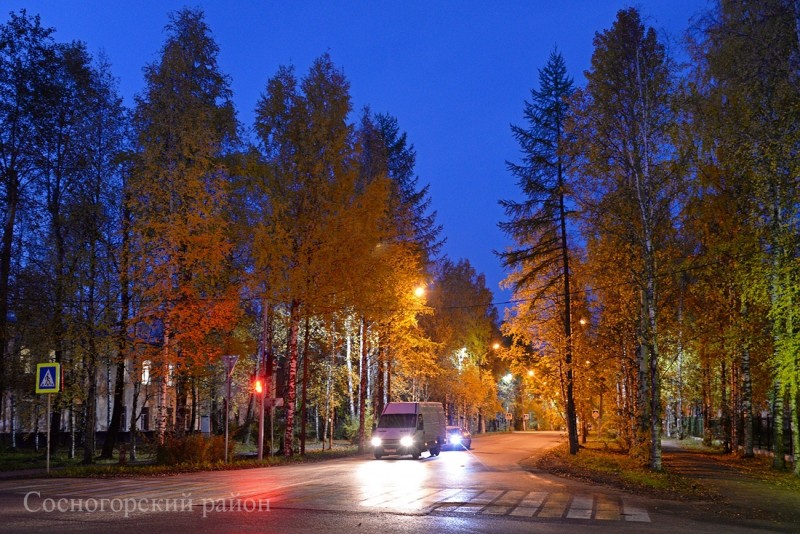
(608,509)
(530,504)
(557,505)
(581,507)
(505,503)
(461,501)
(633,513)
(457,499)
(479,501)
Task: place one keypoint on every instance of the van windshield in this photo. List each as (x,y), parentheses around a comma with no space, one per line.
(398,420)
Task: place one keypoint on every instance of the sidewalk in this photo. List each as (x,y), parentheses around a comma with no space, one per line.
(741,495)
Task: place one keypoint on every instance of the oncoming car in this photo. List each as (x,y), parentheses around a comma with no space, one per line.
(458,438)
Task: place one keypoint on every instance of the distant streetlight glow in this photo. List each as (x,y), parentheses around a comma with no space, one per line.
(419,291)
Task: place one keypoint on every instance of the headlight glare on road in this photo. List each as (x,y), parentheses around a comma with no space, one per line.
(406,441)
(376,441)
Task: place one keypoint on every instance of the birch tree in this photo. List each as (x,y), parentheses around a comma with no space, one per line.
(184,123)
(622,129)
(747,53)
(26,57)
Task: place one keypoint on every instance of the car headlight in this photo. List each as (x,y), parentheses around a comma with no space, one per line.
(376,441)
(456,439)
(406,441)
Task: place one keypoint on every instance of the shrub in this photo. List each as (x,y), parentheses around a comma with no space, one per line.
(192,449)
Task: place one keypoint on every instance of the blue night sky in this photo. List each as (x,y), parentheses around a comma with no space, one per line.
(455,74)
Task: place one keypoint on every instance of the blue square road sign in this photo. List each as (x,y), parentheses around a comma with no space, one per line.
(48,377)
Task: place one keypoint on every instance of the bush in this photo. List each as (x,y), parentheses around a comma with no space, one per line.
(192,449)
(351,426)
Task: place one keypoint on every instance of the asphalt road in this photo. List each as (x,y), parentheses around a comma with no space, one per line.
(482,490)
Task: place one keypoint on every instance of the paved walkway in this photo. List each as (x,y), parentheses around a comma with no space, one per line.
(740,495)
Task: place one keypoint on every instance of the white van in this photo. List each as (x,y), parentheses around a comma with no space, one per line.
(409,428)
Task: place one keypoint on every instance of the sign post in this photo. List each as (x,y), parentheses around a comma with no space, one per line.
(48,381)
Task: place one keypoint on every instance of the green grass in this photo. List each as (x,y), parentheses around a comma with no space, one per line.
(23,459)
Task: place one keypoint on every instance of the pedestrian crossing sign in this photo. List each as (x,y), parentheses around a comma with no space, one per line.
(48,377)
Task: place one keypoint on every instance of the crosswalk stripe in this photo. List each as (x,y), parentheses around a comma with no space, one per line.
(554,505)
(581,507)
(634,513)
(457,499)
(608,509)
(479,501)
(530,504)
(505,503)
(540,504)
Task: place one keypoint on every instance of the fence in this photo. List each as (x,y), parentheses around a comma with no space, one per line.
(763,430)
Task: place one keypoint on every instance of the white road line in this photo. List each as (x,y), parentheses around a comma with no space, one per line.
(634,513)
(581,507)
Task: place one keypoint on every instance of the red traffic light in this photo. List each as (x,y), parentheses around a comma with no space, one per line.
(258,386)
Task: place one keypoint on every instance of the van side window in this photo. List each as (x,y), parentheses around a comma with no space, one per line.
(419,422)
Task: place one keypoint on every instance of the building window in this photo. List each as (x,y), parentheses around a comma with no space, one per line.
(144,419)
(146,372)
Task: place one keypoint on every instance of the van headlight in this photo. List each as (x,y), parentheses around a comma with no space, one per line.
(376,441)
(406,441)
(456,439)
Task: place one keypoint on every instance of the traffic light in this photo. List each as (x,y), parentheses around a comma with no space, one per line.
(258,387)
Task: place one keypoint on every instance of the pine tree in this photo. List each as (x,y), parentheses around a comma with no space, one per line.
(538,224)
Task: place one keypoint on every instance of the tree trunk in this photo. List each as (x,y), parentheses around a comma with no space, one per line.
(362,389)
(380,386)
(304,398)
(181,402)
(193,414)
(112,433)
(747,403)
(643,357)
(134,416)
(795,415)
(291,378)
(90,421)
(724,400)
(350,385)
(161,415)
(779,453)
(12,199)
